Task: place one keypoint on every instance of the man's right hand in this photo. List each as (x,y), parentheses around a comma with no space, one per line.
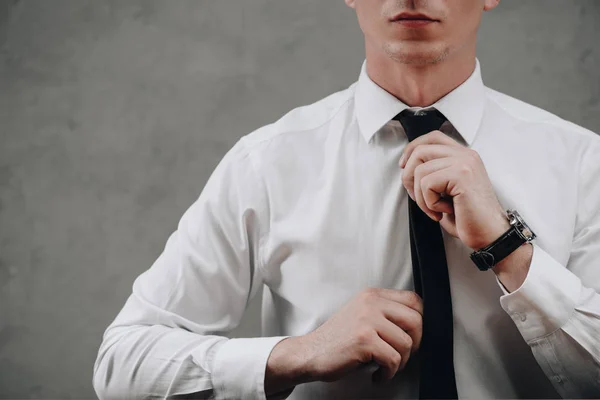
(380,325)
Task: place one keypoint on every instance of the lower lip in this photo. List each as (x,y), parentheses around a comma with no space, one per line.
(414,23)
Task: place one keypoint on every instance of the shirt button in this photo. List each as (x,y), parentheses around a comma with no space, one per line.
(557,379)
(523,317)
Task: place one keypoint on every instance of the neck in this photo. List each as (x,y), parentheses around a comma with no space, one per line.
(420,85)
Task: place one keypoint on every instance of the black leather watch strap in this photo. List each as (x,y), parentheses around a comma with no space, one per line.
(490,255)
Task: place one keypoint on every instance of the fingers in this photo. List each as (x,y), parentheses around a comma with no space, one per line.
(434,137)
(405,297)
(428,192)
(412,181)
(432,186)
(428,152)
(406,319)
(422,155)
(404,309)
(388,359)
(426,160)
(430,201)
(401,341)
(397,325)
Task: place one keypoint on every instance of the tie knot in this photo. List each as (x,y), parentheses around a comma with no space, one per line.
(417,123)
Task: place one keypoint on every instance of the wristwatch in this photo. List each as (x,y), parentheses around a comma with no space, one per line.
(518,233)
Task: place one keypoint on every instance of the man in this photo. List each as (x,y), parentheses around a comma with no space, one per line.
(368,216)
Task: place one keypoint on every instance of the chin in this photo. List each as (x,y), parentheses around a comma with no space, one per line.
(417,53)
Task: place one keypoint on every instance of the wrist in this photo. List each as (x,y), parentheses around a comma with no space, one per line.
(512,270)
(496,228)
(287,366)
(501,249)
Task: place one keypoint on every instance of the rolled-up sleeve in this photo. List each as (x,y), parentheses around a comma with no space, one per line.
(557,308)
(169,339)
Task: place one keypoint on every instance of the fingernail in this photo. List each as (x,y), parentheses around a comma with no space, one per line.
(401,160)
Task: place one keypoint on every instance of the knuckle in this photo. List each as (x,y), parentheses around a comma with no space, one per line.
(419,169)
(415,321)
(464,169)
(369,295)
(473,159)
(395,360)
(431,200)
(418,152)
(363,316)
(407,342)
(474,155)
(406,178)
(364,336)
(413,300)
(426,182)
(430,203)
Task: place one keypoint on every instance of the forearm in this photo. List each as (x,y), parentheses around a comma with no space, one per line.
(159,361)
(152,361)
(559,318)
(572,368)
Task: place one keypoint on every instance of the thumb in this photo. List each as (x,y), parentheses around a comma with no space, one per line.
(448,223)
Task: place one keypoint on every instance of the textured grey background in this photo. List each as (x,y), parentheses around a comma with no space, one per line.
(113,114)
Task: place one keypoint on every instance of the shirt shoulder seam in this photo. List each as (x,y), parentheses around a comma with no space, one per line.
(332,115)
(560,123)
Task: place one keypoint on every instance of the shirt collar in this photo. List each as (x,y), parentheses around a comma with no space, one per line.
(463,106)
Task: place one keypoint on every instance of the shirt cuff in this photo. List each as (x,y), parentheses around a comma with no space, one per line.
(239,366)
(545,300)
(501,286)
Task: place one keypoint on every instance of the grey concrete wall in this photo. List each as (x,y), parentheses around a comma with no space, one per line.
(113,114)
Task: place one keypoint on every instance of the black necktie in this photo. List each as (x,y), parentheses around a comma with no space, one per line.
(430,272)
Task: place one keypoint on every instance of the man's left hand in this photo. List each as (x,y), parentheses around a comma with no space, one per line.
(450,184)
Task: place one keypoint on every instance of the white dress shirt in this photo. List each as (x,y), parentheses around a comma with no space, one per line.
(313,207)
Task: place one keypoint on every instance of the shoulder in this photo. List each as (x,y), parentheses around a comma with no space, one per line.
(310,118)
(527,114)
(278,141)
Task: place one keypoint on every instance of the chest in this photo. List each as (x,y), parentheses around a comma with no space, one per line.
(344,227)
